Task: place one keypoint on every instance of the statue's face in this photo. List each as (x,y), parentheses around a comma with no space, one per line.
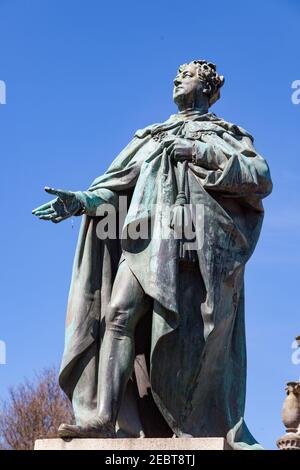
(187,85)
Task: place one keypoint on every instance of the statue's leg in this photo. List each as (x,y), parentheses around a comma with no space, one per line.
(128,305)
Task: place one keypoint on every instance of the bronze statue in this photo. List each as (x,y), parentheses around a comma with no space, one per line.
(155,340)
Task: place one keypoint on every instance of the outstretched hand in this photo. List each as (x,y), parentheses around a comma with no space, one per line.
(65,205)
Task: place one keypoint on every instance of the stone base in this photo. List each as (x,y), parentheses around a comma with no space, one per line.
(196,443)
(289,441)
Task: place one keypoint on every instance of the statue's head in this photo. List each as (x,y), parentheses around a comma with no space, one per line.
(197,85)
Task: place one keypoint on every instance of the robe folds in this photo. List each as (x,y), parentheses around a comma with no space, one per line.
(192,346)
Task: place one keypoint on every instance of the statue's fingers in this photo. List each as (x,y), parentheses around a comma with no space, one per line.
(48,217)
(58,192)
(45,212)
(42,208)
(58,219)
(177,157)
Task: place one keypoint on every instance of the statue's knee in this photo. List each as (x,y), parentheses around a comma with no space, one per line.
(113,313)
(119,319)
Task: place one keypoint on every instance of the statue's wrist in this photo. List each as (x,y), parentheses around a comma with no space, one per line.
(89,202)
(81,203)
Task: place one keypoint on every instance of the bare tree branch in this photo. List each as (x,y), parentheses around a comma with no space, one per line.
(34,410)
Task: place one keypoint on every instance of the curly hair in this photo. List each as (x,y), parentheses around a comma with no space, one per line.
(208,75)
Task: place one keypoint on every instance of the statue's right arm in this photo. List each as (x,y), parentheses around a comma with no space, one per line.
(70,203)
(75,203)
(91,200)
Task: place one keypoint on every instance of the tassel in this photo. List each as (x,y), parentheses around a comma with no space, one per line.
(181,219)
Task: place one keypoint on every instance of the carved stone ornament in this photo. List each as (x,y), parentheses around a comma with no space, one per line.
(291,418)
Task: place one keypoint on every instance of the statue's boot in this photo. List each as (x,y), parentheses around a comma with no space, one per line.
(94,429)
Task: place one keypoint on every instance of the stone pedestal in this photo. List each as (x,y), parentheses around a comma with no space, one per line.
(157,444)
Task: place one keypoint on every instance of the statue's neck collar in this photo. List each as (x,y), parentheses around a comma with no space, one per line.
(193,114)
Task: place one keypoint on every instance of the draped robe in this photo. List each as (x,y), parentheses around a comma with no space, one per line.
(190,370)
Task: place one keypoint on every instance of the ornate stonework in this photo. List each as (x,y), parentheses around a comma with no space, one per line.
(290,441)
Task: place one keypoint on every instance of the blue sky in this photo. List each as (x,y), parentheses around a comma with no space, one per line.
(81,77)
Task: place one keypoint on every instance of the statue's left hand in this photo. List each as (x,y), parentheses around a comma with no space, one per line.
(64,206)
(182,149)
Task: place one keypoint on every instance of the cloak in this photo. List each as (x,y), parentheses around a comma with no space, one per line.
(190,369)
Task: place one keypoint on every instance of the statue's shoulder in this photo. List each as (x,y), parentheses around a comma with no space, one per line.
(231,128)
(143,132)
(154,128)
